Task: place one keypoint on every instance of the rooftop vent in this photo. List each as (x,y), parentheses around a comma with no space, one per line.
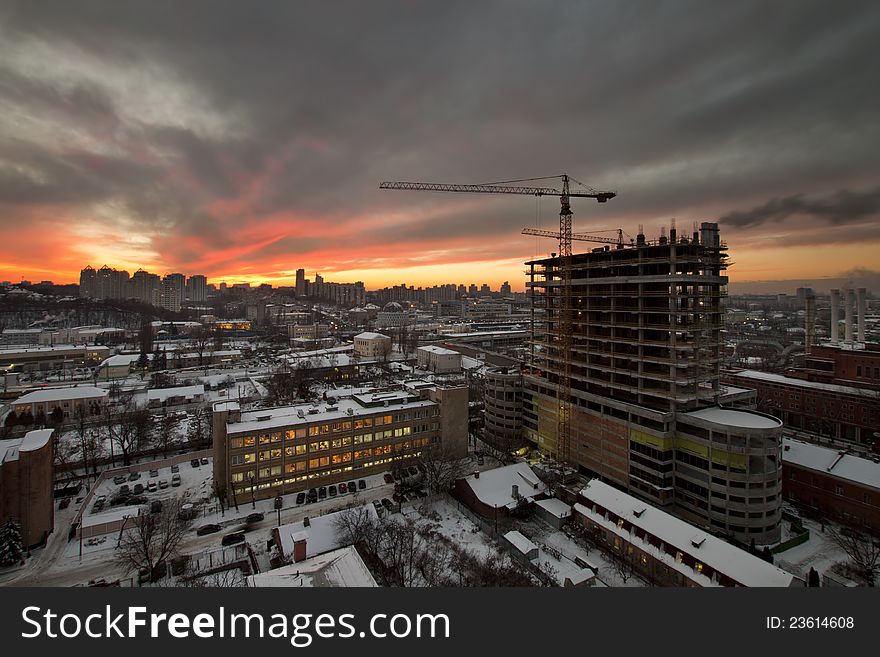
(313,411)
(300,413)
(263,418)
(697,540)
(350,411)
(638,511)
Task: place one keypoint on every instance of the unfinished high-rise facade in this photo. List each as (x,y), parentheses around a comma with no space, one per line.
(647,410)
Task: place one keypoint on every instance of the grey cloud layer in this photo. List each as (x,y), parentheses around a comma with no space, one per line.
(678,106)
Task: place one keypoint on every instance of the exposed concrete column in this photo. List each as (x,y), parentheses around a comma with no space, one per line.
(835,316)
(849,301)
(863,309)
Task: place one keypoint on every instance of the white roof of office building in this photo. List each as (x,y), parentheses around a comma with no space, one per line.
(830,461)
(369,335)
(31,441)
(801,383)
(343,567)
(162,394)
(495,487)
(120,360)
(57,394)
(736,418)
(53,348)
(721,556)
(273,418)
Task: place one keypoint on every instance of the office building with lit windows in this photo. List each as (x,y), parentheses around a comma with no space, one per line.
(276,451)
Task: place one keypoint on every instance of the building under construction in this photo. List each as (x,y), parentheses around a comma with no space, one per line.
(626,343)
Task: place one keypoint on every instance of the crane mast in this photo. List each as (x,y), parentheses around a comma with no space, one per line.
(563,306)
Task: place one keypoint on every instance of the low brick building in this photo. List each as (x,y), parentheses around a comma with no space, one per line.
(833,483)
(26,484)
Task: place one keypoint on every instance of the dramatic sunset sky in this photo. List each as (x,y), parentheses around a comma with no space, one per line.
(244,140)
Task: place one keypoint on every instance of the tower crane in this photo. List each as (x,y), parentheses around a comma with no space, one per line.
(564,318)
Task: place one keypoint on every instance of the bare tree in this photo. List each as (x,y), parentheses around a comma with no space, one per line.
(442,467)
(167,434)
(356,525)
(863,551)
(152,539)
(129,428)
(199,430)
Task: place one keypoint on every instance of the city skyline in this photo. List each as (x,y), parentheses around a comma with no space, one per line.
(128,143)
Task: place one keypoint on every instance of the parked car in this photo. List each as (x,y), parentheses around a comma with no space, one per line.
(119,479)
(387,504)
(362,484)
(254,517)
(99,504)
(136,499)
(156,506)
(232,539)
(175,480)
(175,468)
(388,478)
(300,497)
(313,495)
(152,487)
(195,463)
(163,483)
(413,471)
(138,489)
(352,487)
(207,529)
(124,490)
(64,503)
(204,461)
(322,492)
(331,490)
(134,476)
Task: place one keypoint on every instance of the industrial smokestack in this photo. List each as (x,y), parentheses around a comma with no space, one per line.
(810,328)
(863,309)
(835,316)
(849,302)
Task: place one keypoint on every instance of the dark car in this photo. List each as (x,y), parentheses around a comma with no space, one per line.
(136,499)
(313,495)
(195,463)
(352,487)
(398,497)
(134,476)
(156,506)
(232,539)
(362,484)
(331,490)
(138,489)
(387,504)
(254,517)
(322,492)
(388,478)
(300,498)
(207,529)
(413,471)
(119,479)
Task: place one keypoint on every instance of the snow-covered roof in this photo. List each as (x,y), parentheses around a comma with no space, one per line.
(369,335)
(520,542)
(736,418)
(555,507)
(61,394)
(343,567)
(163,394)
(739,565)
(495,487)
(321,534)
(121,360)
(830,461)
(801,383)
(434,349)
(30,442)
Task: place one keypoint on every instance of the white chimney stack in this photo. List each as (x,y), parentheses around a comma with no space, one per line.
(835,316)
(863,309)
(849,302)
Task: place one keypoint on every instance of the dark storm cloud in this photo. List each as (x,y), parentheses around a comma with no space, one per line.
(674,105)
(844,206)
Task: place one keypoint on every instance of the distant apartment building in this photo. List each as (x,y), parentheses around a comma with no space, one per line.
(169,295)
(647,408)
(86,400)
(281,450)
(27,473)
(143,286)
(197,289)
(438,359)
